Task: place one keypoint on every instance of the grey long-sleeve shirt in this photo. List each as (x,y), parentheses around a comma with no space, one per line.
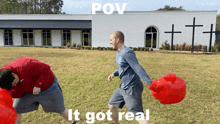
(129,70)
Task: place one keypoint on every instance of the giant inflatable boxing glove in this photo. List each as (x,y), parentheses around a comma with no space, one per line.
(7,112)
(168,89)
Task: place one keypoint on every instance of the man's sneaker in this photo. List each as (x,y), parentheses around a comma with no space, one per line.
(75,122)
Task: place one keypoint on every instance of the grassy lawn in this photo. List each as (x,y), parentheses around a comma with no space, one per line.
(82,75)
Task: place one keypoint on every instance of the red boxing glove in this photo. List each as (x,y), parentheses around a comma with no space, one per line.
(7,112)
(168,89)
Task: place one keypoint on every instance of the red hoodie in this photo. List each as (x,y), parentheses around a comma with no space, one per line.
(32,73)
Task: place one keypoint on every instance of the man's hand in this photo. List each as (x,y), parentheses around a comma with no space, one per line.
(36,90)
(110,77)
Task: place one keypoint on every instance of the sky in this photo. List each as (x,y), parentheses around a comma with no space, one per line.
(85,6)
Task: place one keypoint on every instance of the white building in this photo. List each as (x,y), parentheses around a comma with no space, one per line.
(141,29)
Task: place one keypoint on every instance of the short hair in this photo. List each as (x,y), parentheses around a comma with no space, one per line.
(6,79)
(120,35)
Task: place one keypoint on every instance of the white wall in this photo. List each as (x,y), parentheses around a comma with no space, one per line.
(56,37)
(2,38)
(76,37)
(133,25)
(38,37)
(17,39)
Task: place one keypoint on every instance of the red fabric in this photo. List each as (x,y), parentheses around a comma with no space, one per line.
(7,112)
(33,73)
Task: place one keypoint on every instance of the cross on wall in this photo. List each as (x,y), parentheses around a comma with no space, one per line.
(211,31)
(172,35)
(193,31)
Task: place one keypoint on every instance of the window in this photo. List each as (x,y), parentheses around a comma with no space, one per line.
(46,38)
(28,38)
(66,37)
(8,37)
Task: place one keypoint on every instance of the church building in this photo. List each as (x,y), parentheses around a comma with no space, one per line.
(141,28)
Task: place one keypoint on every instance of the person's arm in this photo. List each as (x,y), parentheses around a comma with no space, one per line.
(115,73)
(40,70)
(16,92)
(130,57)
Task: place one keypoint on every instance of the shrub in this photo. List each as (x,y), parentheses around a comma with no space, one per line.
(140,48)
(174,47)
(213,48)
(79,45)
(146,49)
(74,45)
(131,47)
(217,46)
(151,49)
(103,48)
(161,48)
(199,47)
(184,46)
(111,48)
(89,47)
(165,45)
(68,45)
(177,47)
(95,48)
(205,48)
(134,49)
(180,47)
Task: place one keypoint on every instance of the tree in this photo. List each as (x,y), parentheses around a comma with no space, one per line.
(168,8)
(31,7)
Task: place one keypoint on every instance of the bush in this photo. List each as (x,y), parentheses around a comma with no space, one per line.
(140,48)
(95,48)
(190,48)
(74,44)
(205,48)
(174,47)
(111,48)
(134,49)
(165,45)
(79,45)
(177,47)
(151,49)
(68,45)
(161,48)
(103,48)
(146,49)
(131,47)
(184,46)
(217,46)
(199,47)
(213,48)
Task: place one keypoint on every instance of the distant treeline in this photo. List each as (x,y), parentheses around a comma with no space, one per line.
(31,7)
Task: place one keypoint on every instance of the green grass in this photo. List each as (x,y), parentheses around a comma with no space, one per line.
(82,75)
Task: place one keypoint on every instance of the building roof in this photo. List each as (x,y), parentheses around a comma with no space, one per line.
(163,12)
(45,17)
(47,24)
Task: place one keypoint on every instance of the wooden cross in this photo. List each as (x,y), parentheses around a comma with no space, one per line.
(193,32)
(172,35)
(211,31)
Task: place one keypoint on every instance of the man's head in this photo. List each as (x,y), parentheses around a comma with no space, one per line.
(117,39)
(7,79)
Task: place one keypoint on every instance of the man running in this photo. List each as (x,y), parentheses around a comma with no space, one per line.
(130,71)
